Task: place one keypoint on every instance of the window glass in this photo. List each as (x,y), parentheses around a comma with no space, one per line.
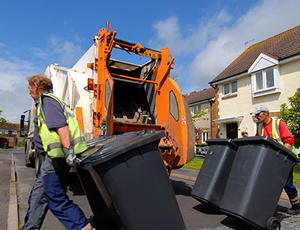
(259,80)
(204,136)
(197,108)
(174,106)
(270,78)
(234,87)
(107,93)
(226,88)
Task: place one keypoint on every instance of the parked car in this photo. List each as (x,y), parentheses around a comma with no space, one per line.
(201,150)
(4,142)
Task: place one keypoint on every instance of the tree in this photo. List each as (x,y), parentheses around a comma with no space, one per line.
(292,116)
(199,114)
(2,120)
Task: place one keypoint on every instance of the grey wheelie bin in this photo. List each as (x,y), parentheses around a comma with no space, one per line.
(131,182)
(213,175)
(258,175)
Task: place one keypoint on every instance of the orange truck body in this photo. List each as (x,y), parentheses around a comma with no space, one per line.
(131,97)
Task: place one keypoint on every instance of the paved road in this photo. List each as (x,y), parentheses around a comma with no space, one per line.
(194,214)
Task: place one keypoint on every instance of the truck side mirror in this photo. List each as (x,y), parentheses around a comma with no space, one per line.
(22,122)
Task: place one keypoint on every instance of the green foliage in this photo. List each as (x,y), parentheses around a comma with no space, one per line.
(292,116)
(200,114)
(21,143)
(296,173)
(2,120)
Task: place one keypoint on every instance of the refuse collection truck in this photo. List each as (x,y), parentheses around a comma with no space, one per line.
(111,96)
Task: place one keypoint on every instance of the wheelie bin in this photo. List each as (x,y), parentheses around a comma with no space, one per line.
(258,175)
(212,178)
(131,183)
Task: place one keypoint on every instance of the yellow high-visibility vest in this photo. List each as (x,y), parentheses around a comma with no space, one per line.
(51,140)
(275,133)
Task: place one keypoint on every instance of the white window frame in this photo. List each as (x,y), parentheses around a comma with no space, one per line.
(204,136)
(262,63)
(265,90)
(230,88)
(195,108)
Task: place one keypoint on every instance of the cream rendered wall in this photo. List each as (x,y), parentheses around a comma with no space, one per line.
(237,106)
(244,103)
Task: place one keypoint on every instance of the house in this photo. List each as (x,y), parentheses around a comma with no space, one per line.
(267,73)
(10,132)
(201,101)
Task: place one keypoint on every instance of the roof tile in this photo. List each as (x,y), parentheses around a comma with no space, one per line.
(199,96)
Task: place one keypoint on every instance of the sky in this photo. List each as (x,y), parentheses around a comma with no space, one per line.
(204,36)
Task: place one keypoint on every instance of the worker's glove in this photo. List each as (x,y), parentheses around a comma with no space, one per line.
(71,158)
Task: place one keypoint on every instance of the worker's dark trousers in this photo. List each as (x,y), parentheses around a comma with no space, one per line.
(290,189)
(48,192)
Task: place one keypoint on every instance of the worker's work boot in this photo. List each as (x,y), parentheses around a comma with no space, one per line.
(295,210)
(88,227)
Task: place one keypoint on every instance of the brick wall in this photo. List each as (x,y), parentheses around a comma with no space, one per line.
(215,115)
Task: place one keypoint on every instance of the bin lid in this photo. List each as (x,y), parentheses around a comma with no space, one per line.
(116,145)
(265,140)
(222,141)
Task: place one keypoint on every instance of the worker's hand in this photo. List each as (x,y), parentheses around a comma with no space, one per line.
(71,158)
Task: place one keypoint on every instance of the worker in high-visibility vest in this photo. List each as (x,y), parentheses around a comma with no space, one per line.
(58,139)
(278,130)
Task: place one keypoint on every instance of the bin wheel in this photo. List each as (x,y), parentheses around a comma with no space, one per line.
(273,223)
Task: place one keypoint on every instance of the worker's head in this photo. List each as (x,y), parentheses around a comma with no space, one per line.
(261,113)
(37,84)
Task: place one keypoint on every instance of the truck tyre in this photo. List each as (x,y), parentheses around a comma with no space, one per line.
(29,161)
(37,163)
(5,145)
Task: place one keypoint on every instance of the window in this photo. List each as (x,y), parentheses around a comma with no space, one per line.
(204,136)
(174,106)
(195,108)
(230,88)
(107,93)
(265,81)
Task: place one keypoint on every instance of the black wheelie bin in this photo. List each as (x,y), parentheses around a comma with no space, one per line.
(125,179)
(258,175)
(212,178)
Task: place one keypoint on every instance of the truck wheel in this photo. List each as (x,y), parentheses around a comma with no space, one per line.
(273,223)
(29,161)
(37,163)
(5,145)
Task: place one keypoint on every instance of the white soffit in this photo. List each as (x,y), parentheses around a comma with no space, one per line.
(229,120)
(262,62)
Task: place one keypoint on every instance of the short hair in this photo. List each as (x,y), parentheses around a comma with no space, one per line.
(41,81)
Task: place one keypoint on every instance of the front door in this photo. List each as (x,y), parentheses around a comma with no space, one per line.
(232,130)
